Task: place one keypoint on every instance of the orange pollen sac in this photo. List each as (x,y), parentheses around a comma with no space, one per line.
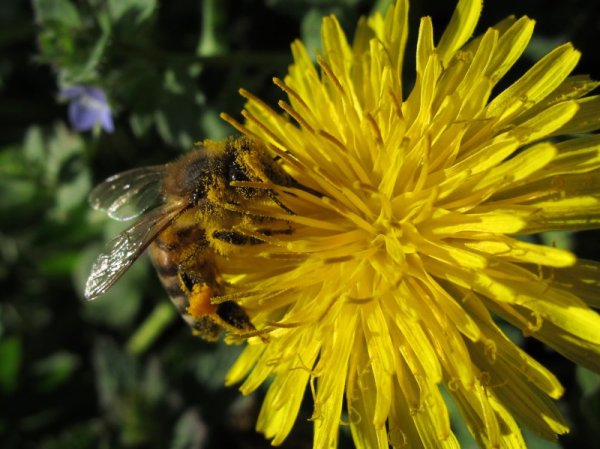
(200,304)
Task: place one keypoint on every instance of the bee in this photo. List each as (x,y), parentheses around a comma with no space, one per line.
(189,212)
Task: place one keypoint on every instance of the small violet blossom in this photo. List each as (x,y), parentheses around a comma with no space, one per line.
(88,107)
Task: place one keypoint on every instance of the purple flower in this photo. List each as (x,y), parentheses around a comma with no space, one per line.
(88,108)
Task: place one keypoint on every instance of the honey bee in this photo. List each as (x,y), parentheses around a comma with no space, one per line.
(189,215)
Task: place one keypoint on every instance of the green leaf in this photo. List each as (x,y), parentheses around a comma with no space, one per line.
(153,385)
(131,12)
(60,263)
(34,148)
(84,68)
(20,193)
(213,127)
(588,380)
(174,109)
(515,335)
(60,11)
(382,5)
(171,123)
(115,375)
(73,193)
(141,123)
(172,83)
(55,370)
(211,367)
(190,431)
(80,436)
(15,196)
(213,39)
(535,442)
(12,163)
(131,395)
(459,424)
(11,355)
(177,114)
(311,30)
(297,8)
(62,147)
(559,239)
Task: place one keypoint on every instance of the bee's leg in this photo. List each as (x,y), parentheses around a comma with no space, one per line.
(276,200)
(237,238)
(234,317)
(270,232)
(199,279)
(200,312)
(206,328)
(177,289)
(210,317)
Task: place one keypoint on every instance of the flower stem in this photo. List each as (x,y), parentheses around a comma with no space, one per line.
(162,315)
(213,39)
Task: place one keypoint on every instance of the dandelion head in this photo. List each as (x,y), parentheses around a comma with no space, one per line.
(405,242)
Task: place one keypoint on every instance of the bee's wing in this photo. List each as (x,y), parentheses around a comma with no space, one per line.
(127,195)
(123,250)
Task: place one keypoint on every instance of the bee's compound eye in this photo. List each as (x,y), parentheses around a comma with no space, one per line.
(190,178)
(199,193)
(237,173)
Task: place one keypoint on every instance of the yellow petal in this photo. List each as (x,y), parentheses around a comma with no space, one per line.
(545,123)
(545,76)
(519,251)
(557,306)
(361,402)
(586,119)
(332,369)
(511,46)
(459,30)
(463,225)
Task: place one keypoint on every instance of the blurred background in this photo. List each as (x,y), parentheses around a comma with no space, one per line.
(123,371)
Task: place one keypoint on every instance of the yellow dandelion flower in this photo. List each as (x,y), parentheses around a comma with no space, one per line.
(403,245)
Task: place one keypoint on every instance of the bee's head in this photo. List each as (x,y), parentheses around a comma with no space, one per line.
(189,177)
(242,161)
(207,173)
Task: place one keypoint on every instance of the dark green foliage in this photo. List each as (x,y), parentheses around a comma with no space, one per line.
(123,371)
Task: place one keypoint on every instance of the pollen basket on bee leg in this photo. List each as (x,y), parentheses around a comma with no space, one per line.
(200,301)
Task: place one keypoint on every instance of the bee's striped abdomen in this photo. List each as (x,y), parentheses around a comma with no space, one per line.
(181,260)
(168,273)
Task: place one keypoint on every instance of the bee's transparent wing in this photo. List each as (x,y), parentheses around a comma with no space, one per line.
(123,250)
(127,195)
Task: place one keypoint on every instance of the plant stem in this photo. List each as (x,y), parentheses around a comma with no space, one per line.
(162,315)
